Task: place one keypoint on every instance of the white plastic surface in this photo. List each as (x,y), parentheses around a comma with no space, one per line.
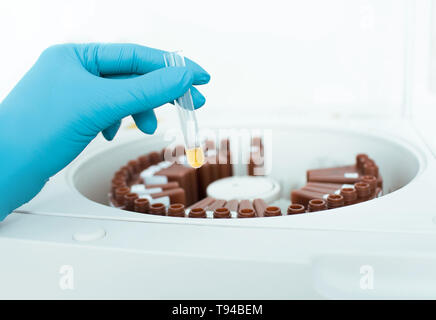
(160,261)
(247,187)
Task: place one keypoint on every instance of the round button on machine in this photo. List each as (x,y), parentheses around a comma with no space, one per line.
(89,234)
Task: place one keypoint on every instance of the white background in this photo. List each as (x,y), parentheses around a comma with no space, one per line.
(336,57)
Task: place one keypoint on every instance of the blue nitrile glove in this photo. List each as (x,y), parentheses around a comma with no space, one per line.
(72,93)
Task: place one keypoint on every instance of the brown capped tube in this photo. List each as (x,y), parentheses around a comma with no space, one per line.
(335,201)
(317,205)
(246,213)
(117,183)
(245,204)
(141,205)
(303,196)
(257,143)
(260,206)
(204,203)
(232,205)
(361,158)
(221,213)
(204,177)
(370,162)
(224,166)
(176,210)
(256,164)
(372,181)
(120,193)
(118,178)
(126,171)
(225,150)
(155,157)
(370,169)
(164,186)
(157,209)
(211,171)
(246,209)
(216,204)
(120,174)
(350,195)
(323,187)
(197,213)
(134,166)
(129,201)
(272,211)
(363,191)
(144,162)
(176,195)
(214,167)
(187,179)
(296,209)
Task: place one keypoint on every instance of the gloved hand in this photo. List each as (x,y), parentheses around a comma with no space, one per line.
(71,94)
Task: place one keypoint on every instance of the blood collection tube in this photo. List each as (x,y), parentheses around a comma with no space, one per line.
(176,210)
(188,120)
(121,174)
(141,205)
(127,172)
(256,164)
(129,200)
(208,172)
(218,203)
(326,187)
(303,196)
(246,209)
(335,201)
(259,206)
(363,191)
(361,158)
(221,212)
(163,186)
(155,157)
(370,169)
(117,183)
(372,181)
(296,209)
(176,195)
(256,160)
(317,205)
(119,195)
(197,213)
(186,177)
(157,209)
(204,203)
(272,211)
(232,205)
(144,162)
(246,213)
(349,195)
(225,159)
(134,166)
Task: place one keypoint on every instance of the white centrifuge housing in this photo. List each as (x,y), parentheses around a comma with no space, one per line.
(67,243)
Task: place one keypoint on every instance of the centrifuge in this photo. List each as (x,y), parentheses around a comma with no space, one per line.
(117,254)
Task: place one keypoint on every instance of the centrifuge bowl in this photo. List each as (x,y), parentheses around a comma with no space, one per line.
(293,151)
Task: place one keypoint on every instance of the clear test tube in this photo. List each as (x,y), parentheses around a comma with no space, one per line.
(188,120)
